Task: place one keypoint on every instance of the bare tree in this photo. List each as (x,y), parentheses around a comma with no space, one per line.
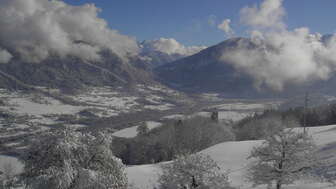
(282,159)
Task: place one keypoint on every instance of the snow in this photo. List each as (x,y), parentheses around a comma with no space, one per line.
(13,162)
(174,116)
(245,106)
(76,126)
(161,107)
(222,115)
(24,106)
(143,176)
(232,157)
(225,115)
(154,99)
(132,131)
(211,96)
(107,101)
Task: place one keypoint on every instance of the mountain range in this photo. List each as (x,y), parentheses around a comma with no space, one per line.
(207,71)
(202,72)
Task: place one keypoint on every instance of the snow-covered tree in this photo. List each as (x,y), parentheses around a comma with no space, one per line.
(283,158)
(66,159)
(193,171)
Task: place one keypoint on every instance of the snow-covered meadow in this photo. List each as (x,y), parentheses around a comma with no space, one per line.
(233,157)
(230,156)
(132,131)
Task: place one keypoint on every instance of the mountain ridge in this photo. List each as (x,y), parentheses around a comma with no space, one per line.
(206,71)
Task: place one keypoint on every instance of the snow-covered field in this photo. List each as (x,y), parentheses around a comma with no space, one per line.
(33,104)
(26,113)
(232,157)
(132,131)
(101,101)
(239,106)
(24,106)
(226,116)
(7,162)
(107,101)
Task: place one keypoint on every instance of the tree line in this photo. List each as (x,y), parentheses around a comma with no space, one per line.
(170,140)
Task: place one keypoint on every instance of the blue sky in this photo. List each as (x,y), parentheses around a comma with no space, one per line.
(187,20)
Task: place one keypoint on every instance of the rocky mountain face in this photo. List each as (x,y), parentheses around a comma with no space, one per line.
(205,71)
(157,58)
(73,73)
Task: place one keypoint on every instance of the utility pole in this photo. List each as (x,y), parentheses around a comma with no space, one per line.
(306,100)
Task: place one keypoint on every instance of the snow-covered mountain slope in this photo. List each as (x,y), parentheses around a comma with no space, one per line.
(232,157)
(71,73)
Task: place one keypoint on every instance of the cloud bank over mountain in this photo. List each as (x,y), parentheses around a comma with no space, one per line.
(170,46)
(36,29)
(280,56)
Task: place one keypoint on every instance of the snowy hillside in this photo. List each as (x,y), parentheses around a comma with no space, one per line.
(132,131)
(232,156)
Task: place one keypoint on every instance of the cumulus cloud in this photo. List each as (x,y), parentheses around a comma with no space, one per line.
(36,29)
(5,56)
(170,46)
(275,56)
(269,15)
(225,26)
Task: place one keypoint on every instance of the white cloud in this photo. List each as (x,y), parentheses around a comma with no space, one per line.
(171,46)
(269,15)
(36,29)
(276,56)
(225,26)
(5,56)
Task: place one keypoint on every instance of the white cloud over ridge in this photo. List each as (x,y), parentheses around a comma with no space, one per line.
(281,56)
(225,26)
(36,29)
(170,46)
